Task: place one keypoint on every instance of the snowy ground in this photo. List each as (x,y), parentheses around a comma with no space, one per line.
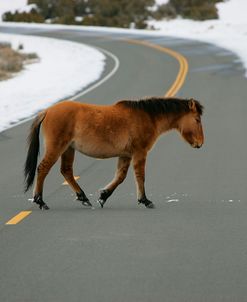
(55,77)
(229,32)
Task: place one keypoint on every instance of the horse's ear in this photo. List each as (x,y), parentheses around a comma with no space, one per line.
(192,105)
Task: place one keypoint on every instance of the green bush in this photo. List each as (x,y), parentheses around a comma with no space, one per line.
(165,11)
(196,9)
(204,12)
(117,13)
(121,13)
(33,16)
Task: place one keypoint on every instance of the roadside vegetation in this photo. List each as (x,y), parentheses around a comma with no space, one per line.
(13,61)
(117,13)
(188,9)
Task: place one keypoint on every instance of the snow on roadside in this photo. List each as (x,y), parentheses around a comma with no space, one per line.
(161,2)
(229,31)
(64,69)
(229,36)
(233,11)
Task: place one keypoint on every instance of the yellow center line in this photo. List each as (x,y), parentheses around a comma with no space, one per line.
(19,217)
(183,63)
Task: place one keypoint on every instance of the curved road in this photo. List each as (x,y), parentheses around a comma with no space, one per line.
(192,247)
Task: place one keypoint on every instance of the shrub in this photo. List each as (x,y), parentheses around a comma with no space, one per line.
(196,9)
(12,61)
(203,12)
(118,13)
(165,11)
(32,16)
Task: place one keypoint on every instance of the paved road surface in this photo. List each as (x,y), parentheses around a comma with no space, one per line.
(192,247)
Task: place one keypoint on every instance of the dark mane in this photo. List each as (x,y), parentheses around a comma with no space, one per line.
(161,105)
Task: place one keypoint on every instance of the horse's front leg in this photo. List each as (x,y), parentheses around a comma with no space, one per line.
(139,162)
(120,175)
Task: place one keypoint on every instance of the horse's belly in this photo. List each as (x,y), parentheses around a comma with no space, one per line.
(99,151)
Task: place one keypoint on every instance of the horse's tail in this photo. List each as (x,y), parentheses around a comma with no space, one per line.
(33,150)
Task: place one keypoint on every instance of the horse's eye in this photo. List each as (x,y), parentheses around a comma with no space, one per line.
(198,120)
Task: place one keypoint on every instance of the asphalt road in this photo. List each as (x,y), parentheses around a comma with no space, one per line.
(192,247)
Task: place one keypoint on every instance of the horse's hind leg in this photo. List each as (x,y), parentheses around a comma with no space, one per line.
(67,159)
(43,169)
(120,175)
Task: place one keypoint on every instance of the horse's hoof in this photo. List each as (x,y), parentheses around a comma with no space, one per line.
(101,202)
(44,207)
(104,195)
(150,205)
(83,198)
(147,203)
(86,203)
(39,201)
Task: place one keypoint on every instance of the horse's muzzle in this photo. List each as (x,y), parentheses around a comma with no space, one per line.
(196,145)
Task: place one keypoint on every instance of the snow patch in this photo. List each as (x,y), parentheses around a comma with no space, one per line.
(172,200)
(233,11)
(65,68)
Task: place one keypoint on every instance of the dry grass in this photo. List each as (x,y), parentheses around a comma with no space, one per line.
(12,61)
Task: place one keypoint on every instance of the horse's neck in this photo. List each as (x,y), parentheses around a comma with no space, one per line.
(168,122)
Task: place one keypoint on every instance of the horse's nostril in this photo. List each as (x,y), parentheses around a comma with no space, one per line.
(196,146)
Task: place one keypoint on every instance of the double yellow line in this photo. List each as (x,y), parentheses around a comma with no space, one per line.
(177,84)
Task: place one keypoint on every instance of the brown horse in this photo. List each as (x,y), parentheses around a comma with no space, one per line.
(126,129)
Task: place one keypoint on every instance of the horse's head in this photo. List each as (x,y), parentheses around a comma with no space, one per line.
(189,125)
